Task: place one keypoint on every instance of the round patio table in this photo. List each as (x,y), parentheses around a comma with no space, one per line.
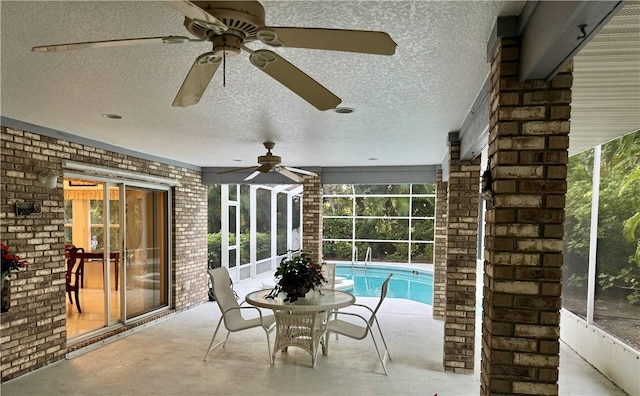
(302,323)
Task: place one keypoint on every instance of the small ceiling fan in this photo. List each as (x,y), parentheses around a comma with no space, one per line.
(271,163)
(229,26)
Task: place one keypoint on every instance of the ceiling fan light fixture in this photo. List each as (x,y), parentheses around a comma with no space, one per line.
(227,45)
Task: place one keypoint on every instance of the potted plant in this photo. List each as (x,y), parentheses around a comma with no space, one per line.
(11,264)
(296,276)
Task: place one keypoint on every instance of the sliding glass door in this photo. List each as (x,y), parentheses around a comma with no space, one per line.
(123,230)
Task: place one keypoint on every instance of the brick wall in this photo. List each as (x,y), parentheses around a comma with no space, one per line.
(440,248)
(33,333)
(528,142)
(462,248)
(312,217)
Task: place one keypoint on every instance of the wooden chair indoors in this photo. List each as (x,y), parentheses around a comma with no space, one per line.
(75,268)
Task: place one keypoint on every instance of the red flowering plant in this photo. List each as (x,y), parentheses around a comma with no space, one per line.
(11,263)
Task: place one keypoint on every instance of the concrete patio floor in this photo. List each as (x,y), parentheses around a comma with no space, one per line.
(167,359)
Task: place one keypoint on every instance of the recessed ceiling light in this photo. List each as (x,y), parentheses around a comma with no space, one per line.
(344,110)
(112,116)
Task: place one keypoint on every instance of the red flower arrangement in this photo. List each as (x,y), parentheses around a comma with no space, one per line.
(11,263)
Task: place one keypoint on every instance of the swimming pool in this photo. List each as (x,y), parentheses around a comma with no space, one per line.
(416,285)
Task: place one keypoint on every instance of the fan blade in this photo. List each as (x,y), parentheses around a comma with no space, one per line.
(290,175)
(304,172)
(252,176)
(197,79)
(197,14)
(294,79)
(367,42)
(112,43)
(236,170)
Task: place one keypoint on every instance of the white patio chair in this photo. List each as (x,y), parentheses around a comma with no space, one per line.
(329,271)
(360,332)
(231,311)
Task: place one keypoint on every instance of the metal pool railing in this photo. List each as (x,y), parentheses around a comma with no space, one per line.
(354,257)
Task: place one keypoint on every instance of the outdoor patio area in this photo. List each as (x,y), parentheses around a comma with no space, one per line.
(167,359)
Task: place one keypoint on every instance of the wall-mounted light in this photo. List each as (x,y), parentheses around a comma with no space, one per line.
(48,179)
(487,181)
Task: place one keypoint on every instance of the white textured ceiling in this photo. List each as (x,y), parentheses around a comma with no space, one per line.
(405,104)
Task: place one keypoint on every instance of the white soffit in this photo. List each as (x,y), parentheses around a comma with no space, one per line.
(606,83)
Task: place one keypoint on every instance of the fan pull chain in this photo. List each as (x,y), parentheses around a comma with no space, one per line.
(224,61)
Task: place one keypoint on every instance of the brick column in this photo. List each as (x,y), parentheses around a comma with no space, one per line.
(528,142)
(312,217)
(462,248)
(440,247)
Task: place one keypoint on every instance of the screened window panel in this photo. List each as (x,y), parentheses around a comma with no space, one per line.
(337,189)
(382,206)
(296,232)
(618,251)
(422,230)
(424,188)
(382,189)
(282,223)
(423,206)
(232,258)
(384,251)
(422,252)
(233,193)
(337,228)
(338,206)
(577,228)
(387,229)
(263,223)
(337,250)
(245,219)
(214,208)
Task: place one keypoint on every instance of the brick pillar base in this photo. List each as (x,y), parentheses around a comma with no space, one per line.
(312,217)
(462,248)
(528,142)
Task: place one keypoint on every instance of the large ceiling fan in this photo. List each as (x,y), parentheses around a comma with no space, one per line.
(229,26)
(271,163)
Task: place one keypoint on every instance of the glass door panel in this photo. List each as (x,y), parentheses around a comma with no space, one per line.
(84,225)
(145,258)
(114,248)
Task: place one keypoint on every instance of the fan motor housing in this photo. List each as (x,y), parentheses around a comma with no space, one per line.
(241,16)
(269,159)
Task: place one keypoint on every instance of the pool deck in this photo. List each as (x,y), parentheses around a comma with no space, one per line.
(167,359)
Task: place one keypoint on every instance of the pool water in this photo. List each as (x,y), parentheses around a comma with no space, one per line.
(416,285)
